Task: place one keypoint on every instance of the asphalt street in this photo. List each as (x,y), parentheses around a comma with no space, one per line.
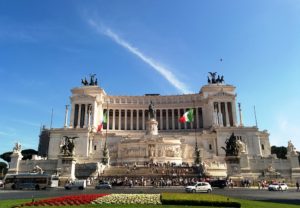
(290,196)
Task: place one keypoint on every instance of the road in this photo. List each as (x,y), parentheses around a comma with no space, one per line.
(290,196)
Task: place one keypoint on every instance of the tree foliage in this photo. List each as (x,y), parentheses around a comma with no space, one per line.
(3,168)
(279,151)
(6,156)
(27,154)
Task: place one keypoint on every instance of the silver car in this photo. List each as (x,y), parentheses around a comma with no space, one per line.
(199,187)
(103,185)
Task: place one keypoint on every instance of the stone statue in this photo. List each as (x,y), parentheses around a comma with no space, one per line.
(17,147)
(222,79)
(291,150)
(151,150)
(92,82)
(67,145)
(204,167)
(215,117)
(213,79)
(232,148)
(151,110)
(84,82)
(37,169)
(271,169)
(220,118)
(241,145)
(208,80)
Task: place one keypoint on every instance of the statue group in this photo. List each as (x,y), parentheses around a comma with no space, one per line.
(212,79)
(93,81)
(234,146)
(67,146)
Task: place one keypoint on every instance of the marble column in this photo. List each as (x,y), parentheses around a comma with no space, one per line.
(227,115)
(143,119)
(137,119)
(233,110)
(131,119)
(79,116)
(120,119)
(167,119)
(85,116)
(197,118)
(161,119)
(173,120)
(178,117)
(72,115)
(107,124)
(66,116)
(113,119)
(125,119)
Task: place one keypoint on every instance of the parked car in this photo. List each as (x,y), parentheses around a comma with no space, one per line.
(199,187)
(218,183)
(77,184)
(278,187)
(103,185)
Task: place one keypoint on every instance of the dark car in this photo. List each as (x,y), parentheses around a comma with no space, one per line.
(218,183)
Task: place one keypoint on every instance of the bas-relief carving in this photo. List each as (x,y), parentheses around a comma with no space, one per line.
(133,152)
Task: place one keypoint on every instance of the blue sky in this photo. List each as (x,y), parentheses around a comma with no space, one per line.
(137,47)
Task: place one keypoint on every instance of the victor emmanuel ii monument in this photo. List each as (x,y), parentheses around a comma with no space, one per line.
(106,131)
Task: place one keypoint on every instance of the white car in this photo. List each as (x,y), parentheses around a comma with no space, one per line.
(77,184)
(199,187)
(278,187)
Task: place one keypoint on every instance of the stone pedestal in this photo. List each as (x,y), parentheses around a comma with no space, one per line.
(16,157)
(295,168)
(152,127)
(66,167)
(233,165)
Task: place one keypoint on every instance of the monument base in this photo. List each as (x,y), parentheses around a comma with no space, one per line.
(66,167)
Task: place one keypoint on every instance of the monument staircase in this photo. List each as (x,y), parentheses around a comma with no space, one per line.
(153,171)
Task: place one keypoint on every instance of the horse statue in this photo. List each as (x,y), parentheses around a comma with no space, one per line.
(84,82)
(67,145)
(232,146)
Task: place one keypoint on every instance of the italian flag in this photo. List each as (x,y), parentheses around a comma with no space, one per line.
(187,116)
(104,120)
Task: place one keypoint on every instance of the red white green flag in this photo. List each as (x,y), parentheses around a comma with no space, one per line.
(104,120)
(187,116)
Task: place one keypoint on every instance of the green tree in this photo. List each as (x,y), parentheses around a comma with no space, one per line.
(27,155)
(279,151)
(6,156)
(3,169)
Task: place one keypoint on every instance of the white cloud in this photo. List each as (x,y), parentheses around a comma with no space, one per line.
(28,123)
(166,73)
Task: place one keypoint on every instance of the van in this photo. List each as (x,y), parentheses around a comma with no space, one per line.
(77,184)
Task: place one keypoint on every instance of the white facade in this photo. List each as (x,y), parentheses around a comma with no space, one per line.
(130,142)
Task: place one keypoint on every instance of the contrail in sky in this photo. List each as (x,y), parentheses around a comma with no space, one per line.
(166,73)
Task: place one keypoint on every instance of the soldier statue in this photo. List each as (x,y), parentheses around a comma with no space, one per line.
(151,110)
